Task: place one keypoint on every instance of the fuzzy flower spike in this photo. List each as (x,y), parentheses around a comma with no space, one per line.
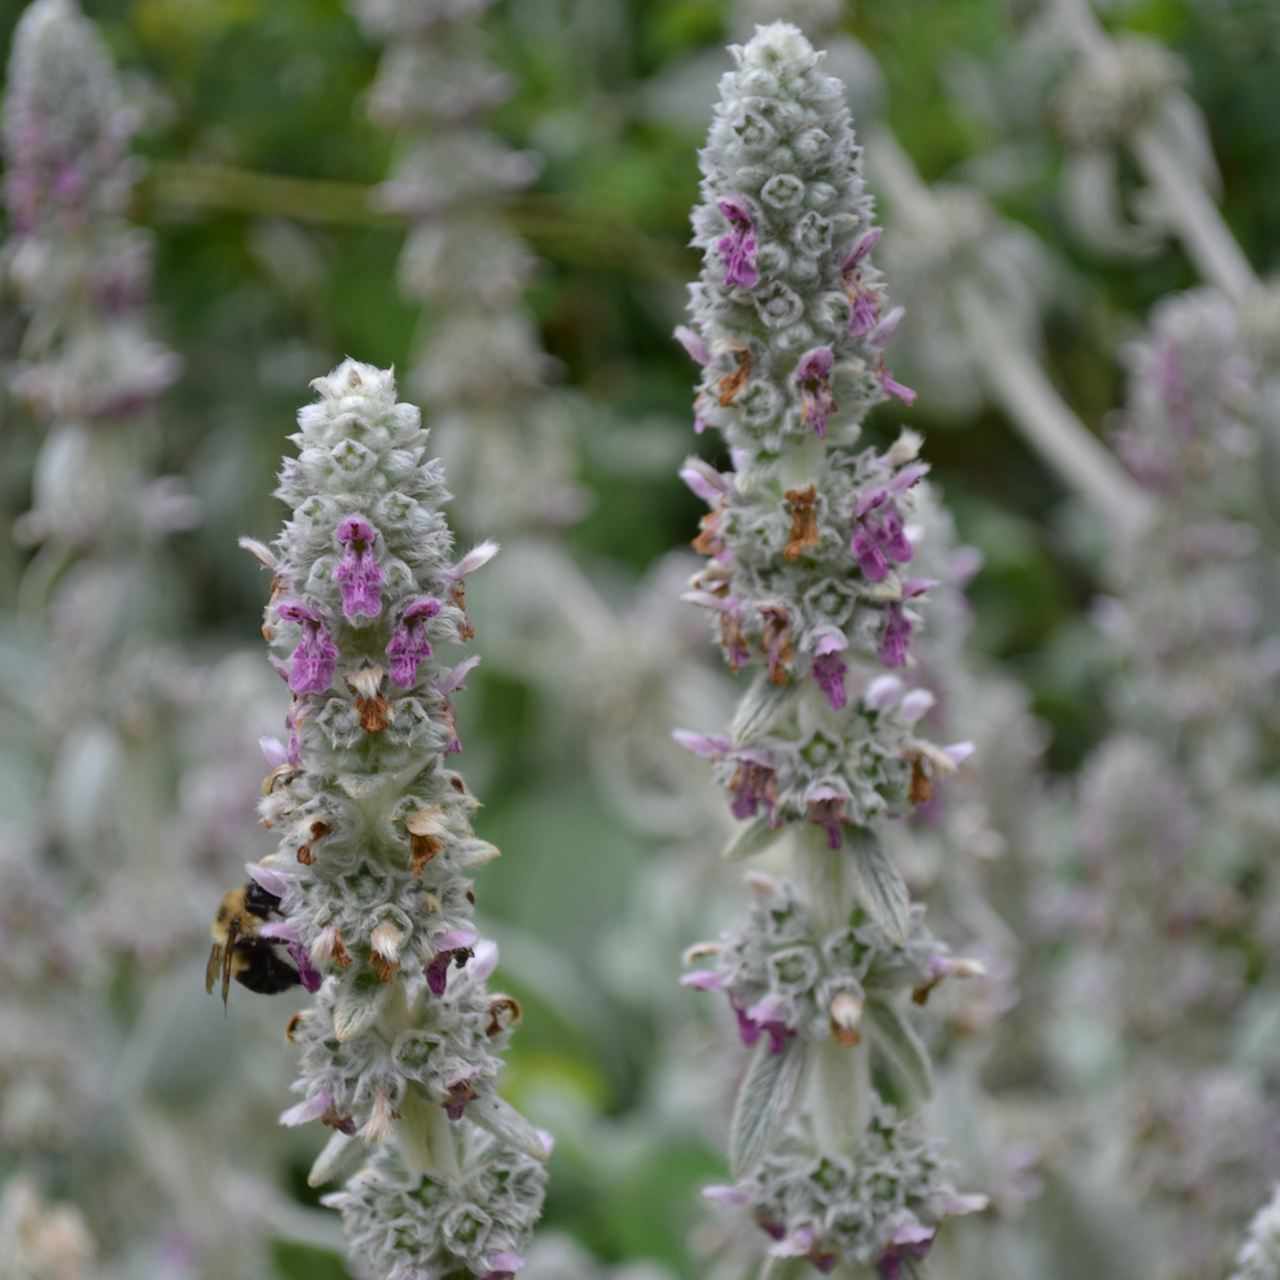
(400,1047)
(810,550)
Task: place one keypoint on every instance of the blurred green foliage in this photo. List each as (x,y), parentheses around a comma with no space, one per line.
(260,299)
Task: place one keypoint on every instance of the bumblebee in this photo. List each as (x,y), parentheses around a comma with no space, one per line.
(239,953)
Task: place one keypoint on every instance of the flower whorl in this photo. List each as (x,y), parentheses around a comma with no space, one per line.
(403,1041)
(809,543)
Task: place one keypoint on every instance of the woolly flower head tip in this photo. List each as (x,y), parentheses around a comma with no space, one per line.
(64,124)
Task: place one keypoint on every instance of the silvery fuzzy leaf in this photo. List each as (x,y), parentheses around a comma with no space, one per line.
(359,1004)
(762,706)
(769,1094)
(878,883)
(507,1124)
(901,1047)
(329,1161)
(752,838)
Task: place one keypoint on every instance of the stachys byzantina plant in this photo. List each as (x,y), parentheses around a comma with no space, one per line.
(810,542)
(401,1046)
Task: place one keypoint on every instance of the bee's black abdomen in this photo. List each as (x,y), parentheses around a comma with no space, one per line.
(258,901)
(261,968)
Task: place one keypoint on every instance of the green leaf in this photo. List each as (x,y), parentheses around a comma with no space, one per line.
(359,1004)
(901,1048)
(762,706)
(752,838)
(878,884)
(508,1125)
(768,1096)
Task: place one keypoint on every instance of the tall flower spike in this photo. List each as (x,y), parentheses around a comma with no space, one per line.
(481,369)
(87,368)
(400,1048)
(806,538)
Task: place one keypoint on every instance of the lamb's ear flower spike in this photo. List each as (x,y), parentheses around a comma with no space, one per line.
(807,580)
(401,1044)
(87,367)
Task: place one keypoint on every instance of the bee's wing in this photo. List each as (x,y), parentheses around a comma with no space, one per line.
(213,968)
(228,951)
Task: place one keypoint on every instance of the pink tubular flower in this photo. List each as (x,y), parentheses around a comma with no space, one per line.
(897,631)
(829,671)
(762,1018)
(816,400)
(754,782)
(826,809)
(905,394)
(694,346)
(879,536)
(313,662)
(911,1240)
(454,947)
(880,335)
(408,645)
(738,248)
(897,626)
(502,1266)
(312,1109)
(864,300)
(310,976)
(359,574)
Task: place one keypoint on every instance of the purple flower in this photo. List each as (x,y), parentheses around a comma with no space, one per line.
(710,745)
(502,1266)
(753,782)
(703,980)
(897,631)
(829,671)
(359,574)
(460,1093)
(313,662)
(897,626)
(880,335)
(762,1018)
(861,247)
(408,645)
(454,947)
(864,300)
(905,394)
(828,811)
(452,680)
(738,248)
(775,640)
(708,483)
(816,400)
(311,1109)
(693,345)
(310,975)
(879,535)
(866,307)
(911,1240)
